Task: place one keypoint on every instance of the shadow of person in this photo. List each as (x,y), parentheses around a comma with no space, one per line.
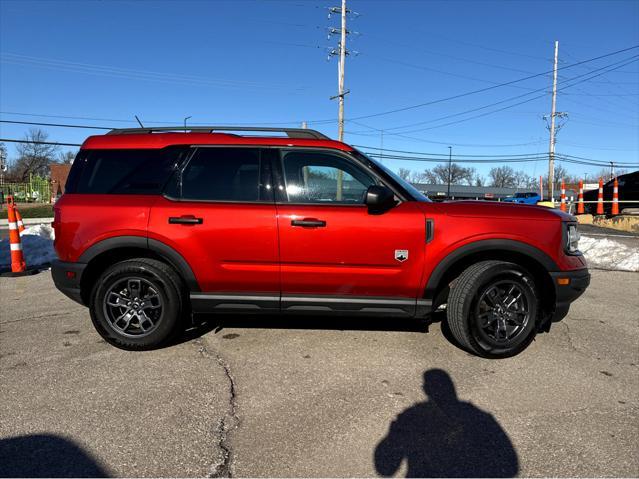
(445,437)
(46,455)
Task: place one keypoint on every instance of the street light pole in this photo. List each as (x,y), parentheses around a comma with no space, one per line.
(186,118)
(450,163)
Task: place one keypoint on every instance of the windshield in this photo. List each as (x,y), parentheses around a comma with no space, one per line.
(414,192)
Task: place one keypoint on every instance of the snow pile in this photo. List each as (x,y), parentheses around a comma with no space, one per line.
(609,254)
(37,246)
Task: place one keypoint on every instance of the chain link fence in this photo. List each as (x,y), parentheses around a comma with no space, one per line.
(37,190)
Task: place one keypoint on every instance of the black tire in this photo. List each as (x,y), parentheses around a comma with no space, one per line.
(154,318)
(479,319)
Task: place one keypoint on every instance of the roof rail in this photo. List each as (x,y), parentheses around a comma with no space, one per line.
(290,132)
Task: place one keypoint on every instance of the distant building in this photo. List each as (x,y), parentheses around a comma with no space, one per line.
(59,174)
(465,192)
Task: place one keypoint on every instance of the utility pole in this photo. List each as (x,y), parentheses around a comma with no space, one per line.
(341,93)
(553,112)
(450,164)
(612,170)
(341,67)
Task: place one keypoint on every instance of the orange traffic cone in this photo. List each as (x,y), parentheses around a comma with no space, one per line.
(580,205)
(600,210)
(615,198)
(562,207)
(18,265)
(19,221)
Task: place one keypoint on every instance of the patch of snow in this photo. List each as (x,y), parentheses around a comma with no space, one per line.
(607,253)
(37,247)
(42,230)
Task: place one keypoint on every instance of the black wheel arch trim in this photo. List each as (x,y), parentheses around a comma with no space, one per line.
(163,250)
(481,246)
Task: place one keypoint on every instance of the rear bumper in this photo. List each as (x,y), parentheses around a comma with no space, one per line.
(578,281)
(67,278)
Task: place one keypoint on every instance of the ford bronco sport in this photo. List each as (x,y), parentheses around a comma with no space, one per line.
(157,224)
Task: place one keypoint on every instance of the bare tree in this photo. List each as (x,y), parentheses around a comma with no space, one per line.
(67,157)
(3,155)
(502,177)
(522,179)
(606,174)
(405,173)
(458,174)
(34,156)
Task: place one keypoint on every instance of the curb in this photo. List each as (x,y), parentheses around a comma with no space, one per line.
(28,272)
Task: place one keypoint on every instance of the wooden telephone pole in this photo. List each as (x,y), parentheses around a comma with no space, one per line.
(341,93)
(553,114)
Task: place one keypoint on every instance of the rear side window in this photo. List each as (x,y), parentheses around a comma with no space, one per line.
(141,172)
(223,174)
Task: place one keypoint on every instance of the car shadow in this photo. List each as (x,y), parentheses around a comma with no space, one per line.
(445,437)
(46,455)
(216,323)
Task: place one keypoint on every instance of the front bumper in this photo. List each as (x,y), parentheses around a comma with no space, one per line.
(67,278)
(577,282)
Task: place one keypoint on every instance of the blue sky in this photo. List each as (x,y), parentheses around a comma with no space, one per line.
(262,62)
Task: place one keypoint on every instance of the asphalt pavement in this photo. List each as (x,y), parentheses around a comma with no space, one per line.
(317,396)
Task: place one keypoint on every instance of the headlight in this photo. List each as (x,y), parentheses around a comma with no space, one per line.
(572,239)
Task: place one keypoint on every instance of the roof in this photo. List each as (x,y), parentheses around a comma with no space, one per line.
(168,136)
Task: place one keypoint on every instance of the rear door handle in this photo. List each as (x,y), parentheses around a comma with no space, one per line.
(185,220)
(309,223)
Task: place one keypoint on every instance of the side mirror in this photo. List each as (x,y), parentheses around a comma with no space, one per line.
(379,198)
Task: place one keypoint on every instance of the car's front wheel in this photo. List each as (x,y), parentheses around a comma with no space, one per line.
(492,309)
(137,304)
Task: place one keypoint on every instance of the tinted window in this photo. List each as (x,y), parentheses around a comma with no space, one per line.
(223,174)
(123,171)
(312,177)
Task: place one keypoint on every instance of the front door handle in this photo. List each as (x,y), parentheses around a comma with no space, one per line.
(309,223)
(185,220)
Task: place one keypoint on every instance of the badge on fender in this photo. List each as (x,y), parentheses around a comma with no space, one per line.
(401,255)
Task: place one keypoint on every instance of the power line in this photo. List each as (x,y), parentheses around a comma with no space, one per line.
(509,106)
(120,120)
(93,69)
(619,64)
(500,160)
(444,154)
(31,142)
(481,90)
(113,127)
(85,127)
(565,158)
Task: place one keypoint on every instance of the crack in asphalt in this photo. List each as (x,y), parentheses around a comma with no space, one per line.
(229,422)
(569,336)
(29,318)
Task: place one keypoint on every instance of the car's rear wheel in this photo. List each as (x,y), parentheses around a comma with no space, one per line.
(137,304)
(492,309)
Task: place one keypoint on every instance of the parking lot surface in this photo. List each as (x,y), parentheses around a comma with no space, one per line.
(317,396)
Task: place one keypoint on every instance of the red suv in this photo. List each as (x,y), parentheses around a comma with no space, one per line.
(157,224)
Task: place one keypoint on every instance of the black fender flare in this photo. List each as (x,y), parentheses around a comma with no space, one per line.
(480,246)
(163,250)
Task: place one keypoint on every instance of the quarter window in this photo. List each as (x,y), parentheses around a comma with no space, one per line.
(142,172)
(312,177)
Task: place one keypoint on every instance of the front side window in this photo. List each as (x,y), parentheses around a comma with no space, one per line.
(223,174)
(313,177)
